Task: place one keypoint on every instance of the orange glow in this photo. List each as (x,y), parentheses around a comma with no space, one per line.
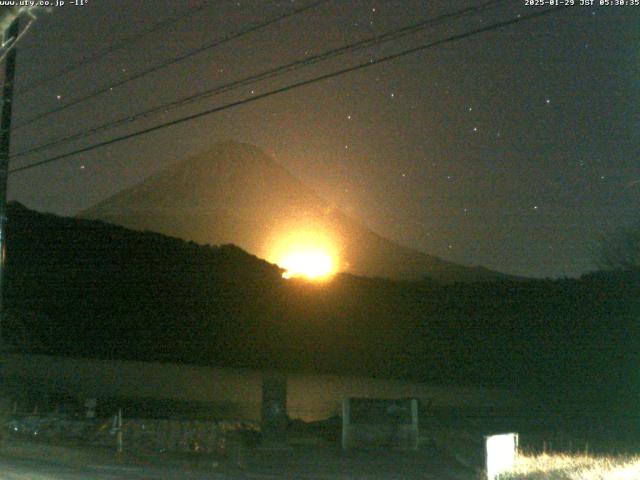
(305,254)
(313,265)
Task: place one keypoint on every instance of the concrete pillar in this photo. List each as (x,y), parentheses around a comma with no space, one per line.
(274,410)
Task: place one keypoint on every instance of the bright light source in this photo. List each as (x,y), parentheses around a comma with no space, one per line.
(501,454)
(305,252)
(312,265)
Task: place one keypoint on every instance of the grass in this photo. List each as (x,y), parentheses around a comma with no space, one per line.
(562,466)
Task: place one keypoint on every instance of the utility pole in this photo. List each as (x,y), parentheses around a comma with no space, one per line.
(5,138)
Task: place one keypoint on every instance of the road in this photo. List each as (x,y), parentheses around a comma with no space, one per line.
(262,466)
(19,469)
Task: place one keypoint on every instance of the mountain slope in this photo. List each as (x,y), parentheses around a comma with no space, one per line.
(234,193)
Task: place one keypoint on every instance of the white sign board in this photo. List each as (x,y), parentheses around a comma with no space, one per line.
(501,451)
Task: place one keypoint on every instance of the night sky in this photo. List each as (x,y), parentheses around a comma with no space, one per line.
(516,149)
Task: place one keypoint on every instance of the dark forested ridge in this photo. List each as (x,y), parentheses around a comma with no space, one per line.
(86,288)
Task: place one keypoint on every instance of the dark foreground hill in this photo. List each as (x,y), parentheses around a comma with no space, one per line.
(86,288)
(236,194)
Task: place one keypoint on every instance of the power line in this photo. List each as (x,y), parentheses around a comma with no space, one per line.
(172,61)
(115,47)
(365,43)
(452,38)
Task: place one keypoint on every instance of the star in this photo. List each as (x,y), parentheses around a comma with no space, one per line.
(542,142)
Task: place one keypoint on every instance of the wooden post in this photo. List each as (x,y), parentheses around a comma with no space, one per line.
(346,423)
(414,423)
(119,431)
